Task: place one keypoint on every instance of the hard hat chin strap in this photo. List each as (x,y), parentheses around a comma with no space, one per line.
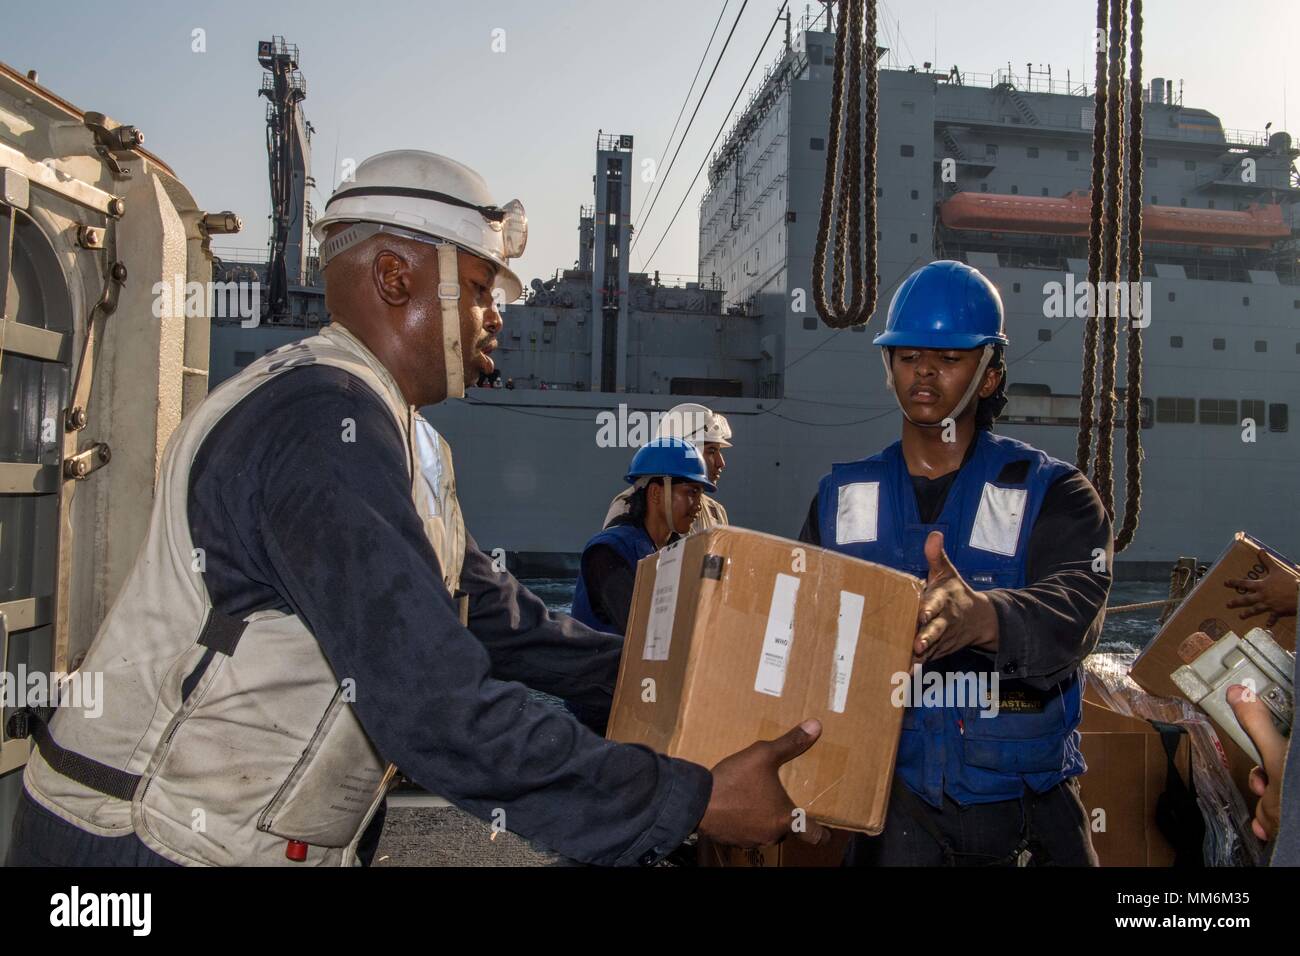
(956,413)
(449,298)
(668,504)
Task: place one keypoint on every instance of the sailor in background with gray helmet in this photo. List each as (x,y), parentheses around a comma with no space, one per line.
(1015,549)
(709,432)
(308,609)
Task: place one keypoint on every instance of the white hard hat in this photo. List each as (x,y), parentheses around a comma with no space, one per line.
(695,423)
(421,194)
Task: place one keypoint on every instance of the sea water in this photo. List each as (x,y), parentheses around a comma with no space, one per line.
(1129,631)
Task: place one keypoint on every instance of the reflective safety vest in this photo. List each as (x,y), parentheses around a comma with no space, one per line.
(712,514)
(632,543)
(868,509)
(223,740)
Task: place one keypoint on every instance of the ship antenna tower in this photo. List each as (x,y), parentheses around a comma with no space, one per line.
(288,147)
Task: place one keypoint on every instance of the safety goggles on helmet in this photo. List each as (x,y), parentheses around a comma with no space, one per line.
(509,220)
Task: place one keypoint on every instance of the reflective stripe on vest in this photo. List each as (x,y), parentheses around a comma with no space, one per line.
(238,749)
(868,509)
(631,543)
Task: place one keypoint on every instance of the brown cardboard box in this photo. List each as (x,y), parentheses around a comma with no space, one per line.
(737,636)
(1205,610)
(1127,771)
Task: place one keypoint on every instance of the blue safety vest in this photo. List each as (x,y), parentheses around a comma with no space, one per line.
(868,509)
(632,543)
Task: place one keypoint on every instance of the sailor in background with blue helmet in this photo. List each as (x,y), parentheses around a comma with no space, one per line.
(668,478)
(1015,549)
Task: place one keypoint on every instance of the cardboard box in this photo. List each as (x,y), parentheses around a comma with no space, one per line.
(736,636)
(1127,772)
(1205,610)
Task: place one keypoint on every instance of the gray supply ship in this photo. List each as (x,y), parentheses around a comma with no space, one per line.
(594,350)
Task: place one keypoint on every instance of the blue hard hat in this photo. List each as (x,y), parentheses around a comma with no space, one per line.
(672,458)
(944,305)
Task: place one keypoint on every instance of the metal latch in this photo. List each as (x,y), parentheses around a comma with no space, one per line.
(86,463)
(1258,662)
(108,142)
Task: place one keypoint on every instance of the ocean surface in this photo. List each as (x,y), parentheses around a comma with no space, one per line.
(1129,631)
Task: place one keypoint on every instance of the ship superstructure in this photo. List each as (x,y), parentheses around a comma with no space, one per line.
(988,169)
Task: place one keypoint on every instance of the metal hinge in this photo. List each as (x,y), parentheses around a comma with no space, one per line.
(86,463)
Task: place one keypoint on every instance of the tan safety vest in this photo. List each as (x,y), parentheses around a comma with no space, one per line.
(711,515)
(222,740)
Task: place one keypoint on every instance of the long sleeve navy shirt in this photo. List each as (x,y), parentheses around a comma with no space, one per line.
(293,517)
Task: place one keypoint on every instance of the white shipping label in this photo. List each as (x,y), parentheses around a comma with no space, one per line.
(663,604)
(856,512)
(846,645)
(997,523)
(778,637)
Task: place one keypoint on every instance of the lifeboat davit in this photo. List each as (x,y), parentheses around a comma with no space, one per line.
(1256,227)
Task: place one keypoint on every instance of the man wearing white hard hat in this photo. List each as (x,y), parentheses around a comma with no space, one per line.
(709,432)
(309,612)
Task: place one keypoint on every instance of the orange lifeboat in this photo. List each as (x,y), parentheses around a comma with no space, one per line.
(1256,227)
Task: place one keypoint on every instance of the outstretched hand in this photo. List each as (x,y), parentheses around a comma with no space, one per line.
(952,614)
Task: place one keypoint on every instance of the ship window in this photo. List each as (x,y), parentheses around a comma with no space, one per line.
(1295,303)
(1245,300)
(1183,201)
(915,194)
(991,150)
(984,187)
(816,143)
(1072,155)
(880,191)
(909,107)
(1219,344)
(1032,152)
(1210,204)
(1277,417)
(1044,190)
(1044,335)
(1015,287)
(907,150)
(705,386)
(1171,297)
(1015,190)
(1218,411)
(1176,411)
(1189,164)
(912,238)
(810,323)
(1155,200)
(1252,409)
(243,358)
(1261,345)
(1175,341)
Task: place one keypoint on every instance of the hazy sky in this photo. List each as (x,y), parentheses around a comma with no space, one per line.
(423,73)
